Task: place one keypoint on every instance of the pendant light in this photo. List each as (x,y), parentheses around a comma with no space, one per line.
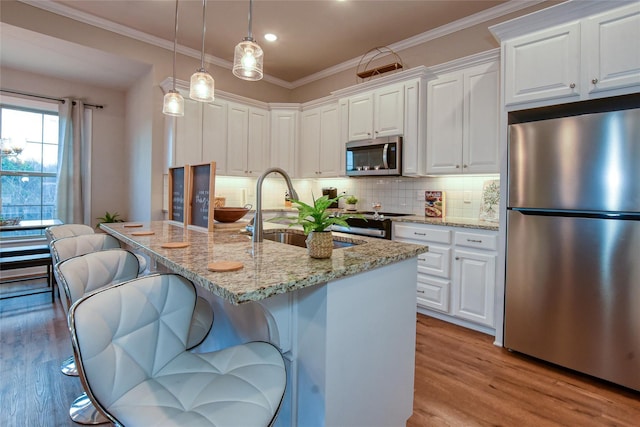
(202,83)
(173,104)
(248,56)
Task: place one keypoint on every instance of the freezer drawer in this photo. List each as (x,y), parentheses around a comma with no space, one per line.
(572,293)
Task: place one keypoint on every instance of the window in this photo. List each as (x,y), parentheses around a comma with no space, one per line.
(29,155)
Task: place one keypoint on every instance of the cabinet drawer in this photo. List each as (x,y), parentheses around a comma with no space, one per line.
(477,240)
(436,262)
(422,234)
(433,293)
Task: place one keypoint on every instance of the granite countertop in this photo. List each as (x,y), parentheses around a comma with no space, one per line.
(449,221)
(269,268)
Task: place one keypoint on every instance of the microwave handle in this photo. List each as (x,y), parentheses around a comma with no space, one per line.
(385,160)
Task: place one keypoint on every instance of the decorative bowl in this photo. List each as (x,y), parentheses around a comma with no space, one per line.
(230,214)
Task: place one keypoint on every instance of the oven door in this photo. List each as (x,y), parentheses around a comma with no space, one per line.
(374,157)
(371,228)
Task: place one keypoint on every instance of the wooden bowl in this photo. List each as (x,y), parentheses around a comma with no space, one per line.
(229,214)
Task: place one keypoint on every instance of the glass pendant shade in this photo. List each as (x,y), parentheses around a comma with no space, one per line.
(247,60)
(202,86)
(173,104)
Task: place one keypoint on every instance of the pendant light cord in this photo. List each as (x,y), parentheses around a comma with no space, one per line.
(204,29)
(250,36)
(175,43)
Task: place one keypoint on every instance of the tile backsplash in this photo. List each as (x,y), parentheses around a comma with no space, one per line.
(398,194)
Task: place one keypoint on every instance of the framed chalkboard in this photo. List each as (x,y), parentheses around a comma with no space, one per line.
(201,194)
(178,184)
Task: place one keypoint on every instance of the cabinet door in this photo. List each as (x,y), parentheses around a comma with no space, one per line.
(361,117)
(543,65)
(413,156)
(238,127)
(474,278)
(284,129)
(188,140)
(309,144)
(258,159)
(389,111)
(330,146)
(444,124)
(214,135)
(480,147)
(433,293)
(610,44)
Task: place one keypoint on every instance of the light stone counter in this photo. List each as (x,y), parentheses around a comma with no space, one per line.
(449,221)
(269,268)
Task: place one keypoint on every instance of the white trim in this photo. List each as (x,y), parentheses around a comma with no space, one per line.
(461,24)
(466,62)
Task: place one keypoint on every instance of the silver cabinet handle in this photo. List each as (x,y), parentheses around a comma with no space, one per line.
(474,241)
(457,166)
(420,292)
(572,85)
(594,81)
(421,259)
(419,234)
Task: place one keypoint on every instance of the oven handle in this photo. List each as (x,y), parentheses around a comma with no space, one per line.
(385,160)
(371,232)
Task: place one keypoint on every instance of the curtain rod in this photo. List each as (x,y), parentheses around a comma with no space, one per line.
(48,97)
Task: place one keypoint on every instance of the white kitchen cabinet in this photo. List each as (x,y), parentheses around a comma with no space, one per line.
(456,278)
(579,60)
(187,145)
(377,113)
(248,140)
(320,145)
(284,136)
(462,121)
(214,134)
(414,137)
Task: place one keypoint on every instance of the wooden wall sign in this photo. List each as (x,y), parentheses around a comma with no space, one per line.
(178,184)
(202,188)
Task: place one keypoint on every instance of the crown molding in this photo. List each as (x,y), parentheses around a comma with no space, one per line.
(478,18)
(466,62)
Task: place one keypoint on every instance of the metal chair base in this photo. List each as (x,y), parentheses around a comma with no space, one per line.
(82,411)
(68,367)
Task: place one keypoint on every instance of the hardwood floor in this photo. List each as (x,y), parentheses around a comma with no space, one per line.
(462,379)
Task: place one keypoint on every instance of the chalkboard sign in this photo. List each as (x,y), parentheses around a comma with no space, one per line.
(177,192)
(202,191)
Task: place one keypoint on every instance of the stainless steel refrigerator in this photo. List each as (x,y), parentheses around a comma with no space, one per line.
(572,293)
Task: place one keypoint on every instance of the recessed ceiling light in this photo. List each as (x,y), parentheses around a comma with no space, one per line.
(270,37)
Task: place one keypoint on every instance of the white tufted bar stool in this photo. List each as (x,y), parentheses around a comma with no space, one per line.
(82,274)
(66,230)
(130,343)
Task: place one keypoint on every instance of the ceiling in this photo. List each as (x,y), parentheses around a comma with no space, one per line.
(314,36)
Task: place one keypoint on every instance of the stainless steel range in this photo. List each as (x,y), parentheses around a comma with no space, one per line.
(371,225)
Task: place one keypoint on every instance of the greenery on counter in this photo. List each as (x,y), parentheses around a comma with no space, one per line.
(317,217)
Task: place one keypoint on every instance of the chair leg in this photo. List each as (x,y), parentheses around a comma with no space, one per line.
(68,367)
(82,411)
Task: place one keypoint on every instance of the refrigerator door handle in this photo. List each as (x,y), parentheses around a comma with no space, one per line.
(632,216)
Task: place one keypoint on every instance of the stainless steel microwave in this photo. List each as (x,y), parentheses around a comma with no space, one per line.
(375,157)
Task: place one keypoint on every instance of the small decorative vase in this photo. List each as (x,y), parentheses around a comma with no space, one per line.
(320,244)
(350,206)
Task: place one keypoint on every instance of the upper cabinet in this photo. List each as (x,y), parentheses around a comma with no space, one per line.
(214,134)
(377,114)
(321,149)
(589,56)
(462,121)
(248,140)
(284,137)
(187,143)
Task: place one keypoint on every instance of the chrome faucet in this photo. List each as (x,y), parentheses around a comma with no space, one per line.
(258,228)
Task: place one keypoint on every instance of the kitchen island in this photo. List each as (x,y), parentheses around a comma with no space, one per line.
(345,325)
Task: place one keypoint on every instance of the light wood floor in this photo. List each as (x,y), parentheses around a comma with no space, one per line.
(461,378)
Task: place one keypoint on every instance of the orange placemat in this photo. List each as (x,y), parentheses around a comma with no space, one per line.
(132,225)
(143,233)
(174,245)
(220,266)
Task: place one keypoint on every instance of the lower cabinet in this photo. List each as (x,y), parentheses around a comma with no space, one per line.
(456,279)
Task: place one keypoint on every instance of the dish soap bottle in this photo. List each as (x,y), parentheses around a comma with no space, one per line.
(287,200)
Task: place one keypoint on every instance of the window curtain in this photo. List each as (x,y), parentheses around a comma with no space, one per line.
(74,165)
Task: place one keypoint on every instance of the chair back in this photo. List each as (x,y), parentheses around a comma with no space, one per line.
(82,274)
(67,230)
(68,247)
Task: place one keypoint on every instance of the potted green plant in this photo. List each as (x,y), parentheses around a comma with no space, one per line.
(350,203)
(315,221)
(108,218)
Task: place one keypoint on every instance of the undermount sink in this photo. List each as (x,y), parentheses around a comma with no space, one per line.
(297,238)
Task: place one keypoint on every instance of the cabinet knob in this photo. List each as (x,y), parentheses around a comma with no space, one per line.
(594,81)
(572,85)
(465,166)
(457,258)
(457,166)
